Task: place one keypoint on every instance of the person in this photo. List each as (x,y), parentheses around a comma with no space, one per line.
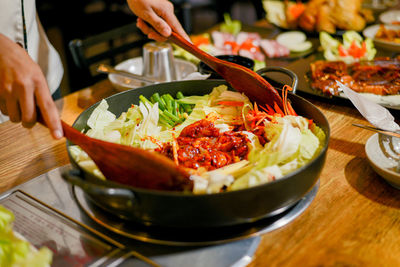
(160,15)
(30,68)
(156,18)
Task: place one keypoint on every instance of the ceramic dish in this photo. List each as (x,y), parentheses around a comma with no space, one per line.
(381,163)
(243,61)
(302,69)
(135,65)
(390,17)
(371,31)
(276,15)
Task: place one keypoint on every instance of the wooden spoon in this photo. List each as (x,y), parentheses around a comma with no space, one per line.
(240,78)
(131,166)
(141,168)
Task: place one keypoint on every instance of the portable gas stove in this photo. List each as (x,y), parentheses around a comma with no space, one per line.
(49,212)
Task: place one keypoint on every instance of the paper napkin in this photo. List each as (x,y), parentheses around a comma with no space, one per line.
(376,114)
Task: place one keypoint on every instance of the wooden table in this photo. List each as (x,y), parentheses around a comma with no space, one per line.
(353,221)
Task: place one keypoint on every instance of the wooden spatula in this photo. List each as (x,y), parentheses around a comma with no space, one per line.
(131,166)
(240,78)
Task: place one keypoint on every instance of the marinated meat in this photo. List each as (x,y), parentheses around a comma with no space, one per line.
(325,73)
(381,77)
(201,144)
(274,49)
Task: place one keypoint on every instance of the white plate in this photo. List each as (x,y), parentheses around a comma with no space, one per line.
(382,164)
(135,65)
(373,29)
(389,101)
(390,17)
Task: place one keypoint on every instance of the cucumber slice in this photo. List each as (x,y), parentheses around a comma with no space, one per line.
(304,46)
(291,38)
(327,41)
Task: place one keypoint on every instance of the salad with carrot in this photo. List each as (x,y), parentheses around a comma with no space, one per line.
(353,48)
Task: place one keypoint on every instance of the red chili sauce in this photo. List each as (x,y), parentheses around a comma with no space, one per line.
(201,144)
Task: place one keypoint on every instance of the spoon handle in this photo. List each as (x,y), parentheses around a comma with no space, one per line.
(378,130)
(70,133)
(205,57)
(74,135)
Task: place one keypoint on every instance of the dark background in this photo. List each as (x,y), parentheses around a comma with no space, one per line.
(67,20)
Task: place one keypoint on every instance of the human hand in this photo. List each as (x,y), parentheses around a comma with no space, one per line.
(23,88)
(156,18)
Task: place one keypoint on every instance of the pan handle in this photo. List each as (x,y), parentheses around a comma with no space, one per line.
(291,74)
(74,177)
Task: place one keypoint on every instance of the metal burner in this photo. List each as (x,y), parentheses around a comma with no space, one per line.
(49,195)
(192,237)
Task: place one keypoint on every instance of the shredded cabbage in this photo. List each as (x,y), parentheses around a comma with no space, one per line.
(291,146)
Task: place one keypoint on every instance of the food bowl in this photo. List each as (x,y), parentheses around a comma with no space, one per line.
(243,61)
(186,210)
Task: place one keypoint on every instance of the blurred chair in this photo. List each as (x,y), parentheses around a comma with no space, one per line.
(109,47)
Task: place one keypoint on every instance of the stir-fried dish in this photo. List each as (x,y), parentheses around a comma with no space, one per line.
(379,77)
(353,63)
(224,141)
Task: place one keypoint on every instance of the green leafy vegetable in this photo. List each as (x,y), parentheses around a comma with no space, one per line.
(258,64)
(15,251)
(172,111)
(230,26)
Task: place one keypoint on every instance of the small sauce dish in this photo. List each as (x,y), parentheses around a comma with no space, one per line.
(383,163)
(243,61)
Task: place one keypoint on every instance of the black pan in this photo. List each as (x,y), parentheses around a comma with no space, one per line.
(175,209)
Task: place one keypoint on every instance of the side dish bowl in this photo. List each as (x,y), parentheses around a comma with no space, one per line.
(243,61)
(371,31)
(382,163)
